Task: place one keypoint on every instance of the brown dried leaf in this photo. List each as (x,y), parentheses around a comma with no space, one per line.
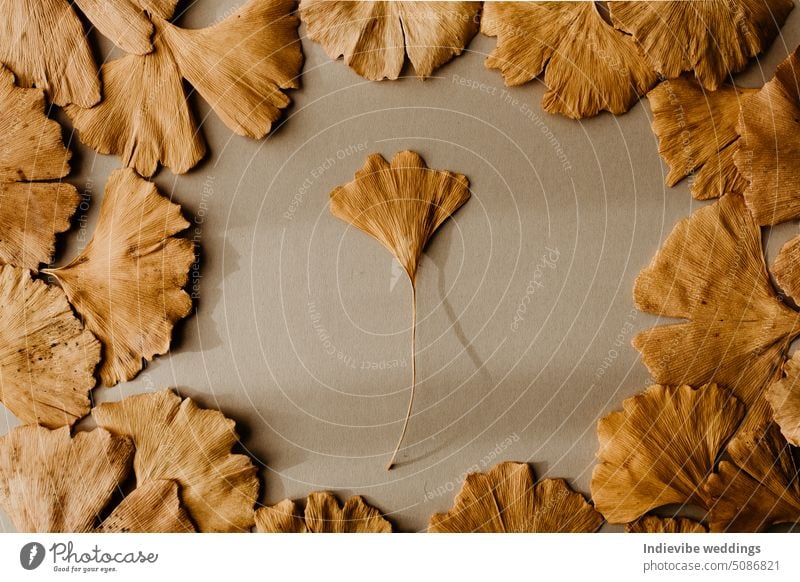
(696,129)
(323,514)
(177,440)
(47,358)
(30,144)
(51,482)
(591,67)
(31,215)
(121,21)
(283,517)
(400,204)
(711,272)
(769,155)
(659,449)
(239,65)
(653,524)
(713,38)
(784,399)
(144,117)
(155,507)
(374,37)
(759,488)
(44,44)
(786,268)
(127,283)
(505,500)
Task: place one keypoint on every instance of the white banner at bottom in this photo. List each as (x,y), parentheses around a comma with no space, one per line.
(352,558)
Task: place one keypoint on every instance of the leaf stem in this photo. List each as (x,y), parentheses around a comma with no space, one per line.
(413,372)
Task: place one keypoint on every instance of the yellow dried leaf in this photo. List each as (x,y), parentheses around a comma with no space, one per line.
(177,440)
(659,449)
(590,66)
(323,514)
(374,37)
(759,488)
(653,524)
(713,38)
(711,272)
(51,482)
(44,44)
(127,283)
(47,358)
(784,399)
(505,500)
(155,507)
(769,154)
(401,205)
(696,130)
(240,66)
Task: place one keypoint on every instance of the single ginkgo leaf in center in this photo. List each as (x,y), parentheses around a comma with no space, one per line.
(401,205)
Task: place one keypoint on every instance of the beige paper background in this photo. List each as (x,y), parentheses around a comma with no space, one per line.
(296,310)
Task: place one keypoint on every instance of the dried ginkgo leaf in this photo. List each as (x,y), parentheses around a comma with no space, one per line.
(759,488)
(128,281)
(155,507)
(769,154)
(47,358)
(401,205)
(505,500)
(786,269)
(144,117)
(323,514)
(44,44)
(51,482)
(784,399)
(283,517)
(659,449)
(711,272)
(123,22)
(591,67)
(177,440)
(374,37)
(654,524)
(696,130)
(713,38)
(31,215)
(240,66)
(31,148)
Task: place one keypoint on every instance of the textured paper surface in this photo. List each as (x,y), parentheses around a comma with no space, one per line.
(525,311)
